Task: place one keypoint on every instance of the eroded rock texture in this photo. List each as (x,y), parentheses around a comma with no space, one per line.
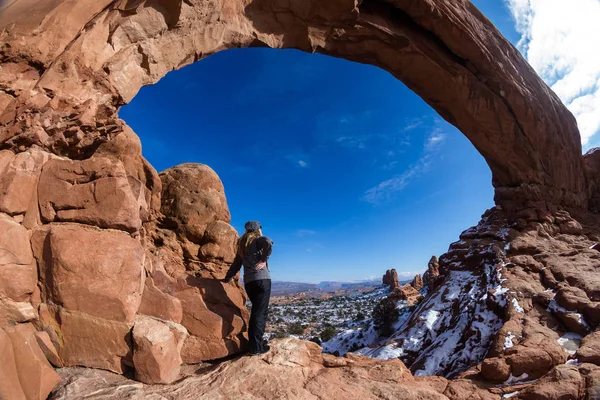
(292,370)
(100,277)
(92,238)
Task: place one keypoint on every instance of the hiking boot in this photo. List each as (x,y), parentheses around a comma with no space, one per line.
(264,350)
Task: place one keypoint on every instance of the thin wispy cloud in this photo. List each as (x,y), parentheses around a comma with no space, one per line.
(560,40)
(385,190)
(365,130)
(302,163)
(305,232)
(314,246)
(435,140)
(413,124)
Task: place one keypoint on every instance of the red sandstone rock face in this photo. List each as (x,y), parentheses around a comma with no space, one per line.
(417,282)
(78,274)
(391,279)
(406,293)
(94,192)
(433,271)
(157,350)
(88,341)
(590,349)
(36,376)
(11,387)
(18,273)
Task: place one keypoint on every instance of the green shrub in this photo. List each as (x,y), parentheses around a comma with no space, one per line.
(328,333)
(295,328)
(384,315)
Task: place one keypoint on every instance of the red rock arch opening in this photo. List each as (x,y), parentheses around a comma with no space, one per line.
(91,60)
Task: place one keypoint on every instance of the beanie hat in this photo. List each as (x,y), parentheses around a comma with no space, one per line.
(252,226)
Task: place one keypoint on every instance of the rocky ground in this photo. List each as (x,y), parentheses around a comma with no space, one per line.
(292,370)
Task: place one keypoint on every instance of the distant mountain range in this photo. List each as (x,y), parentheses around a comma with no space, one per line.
(281,288)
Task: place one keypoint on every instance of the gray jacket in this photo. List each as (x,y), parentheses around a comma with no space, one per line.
(259,251)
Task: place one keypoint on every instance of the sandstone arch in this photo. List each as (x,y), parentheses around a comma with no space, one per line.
(96,56)
(69,168)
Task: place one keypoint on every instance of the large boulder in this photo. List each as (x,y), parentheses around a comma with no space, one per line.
(193,197)
(36,375)
(589,351)
(19,175)
(194,206)
(159,304)
(95,191)
(563,382)
(144,181)
(94,271)
(11,386)
(157,350)
(88,341)
(18,272)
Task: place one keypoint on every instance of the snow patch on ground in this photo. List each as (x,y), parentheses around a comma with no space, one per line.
(351,339)
(430,318)
(508,343)
(516,379)
(356,337)
(442,339)
(570,342)
(509,395)
(517,306)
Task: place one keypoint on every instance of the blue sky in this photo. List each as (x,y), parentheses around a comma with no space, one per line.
(349,172)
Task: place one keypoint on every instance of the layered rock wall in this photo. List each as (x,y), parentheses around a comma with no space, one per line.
(91,249)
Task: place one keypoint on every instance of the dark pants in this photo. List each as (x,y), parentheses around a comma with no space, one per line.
(259,293)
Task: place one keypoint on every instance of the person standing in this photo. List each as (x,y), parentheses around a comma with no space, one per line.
(252,253)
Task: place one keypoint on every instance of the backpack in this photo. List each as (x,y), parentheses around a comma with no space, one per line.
(262,247)
(259,250)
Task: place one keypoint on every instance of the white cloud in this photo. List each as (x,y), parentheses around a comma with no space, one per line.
(435,140)
(560,39)
(384,190)
(413,124)
(302,163)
